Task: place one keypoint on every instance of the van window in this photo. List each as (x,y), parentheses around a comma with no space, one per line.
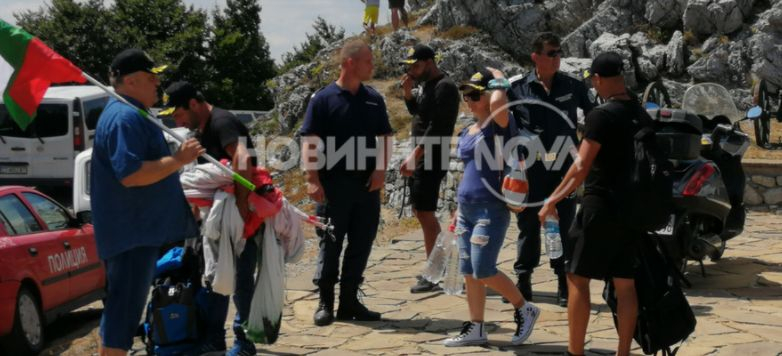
(51,121)
(92,110)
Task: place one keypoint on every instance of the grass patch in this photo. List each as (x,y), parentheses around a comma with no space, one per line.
(656,34)
(458,32)
(755,152)
(690,39)
(697,53)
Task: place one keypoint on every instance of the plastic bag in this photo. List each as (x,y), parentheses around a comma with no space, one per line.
(434,271)
(263,324)
(225,272)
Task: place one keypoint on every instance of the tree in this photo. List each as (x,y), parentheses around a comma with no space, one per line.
(239,58)
(78,31)
(169,31)
(90,35)
(325,34)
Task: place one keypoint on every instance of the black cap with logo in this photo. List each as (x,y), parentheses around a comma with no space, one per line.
(606,64)
(479,81)
(133,60)
(418,53)
(178,94)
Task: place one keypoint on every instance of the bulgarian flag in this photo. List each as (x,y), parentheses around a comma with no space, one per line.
(27,68)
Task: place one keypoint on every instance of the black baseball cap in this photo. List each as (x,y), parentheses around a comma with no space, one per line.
(134,60)
(418,53)
(479,81)
(178,95)
(606,64)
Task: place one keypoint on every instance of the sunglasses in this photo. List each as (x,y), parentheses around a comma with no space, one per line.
(554,53)
(472,96)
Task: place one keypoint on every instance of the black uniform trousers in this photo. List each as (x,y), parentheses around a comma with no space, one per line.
(528,245)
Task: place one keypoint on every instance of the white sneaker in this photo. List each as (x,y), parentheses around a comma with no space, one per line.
(525,318)
(472,334)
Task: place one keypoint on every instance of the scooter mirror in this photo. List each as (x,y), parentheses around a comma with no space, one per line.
(754,112)
(651,106)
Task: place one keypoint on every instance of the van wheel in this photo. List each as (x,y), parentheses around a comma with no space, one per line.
(27,334)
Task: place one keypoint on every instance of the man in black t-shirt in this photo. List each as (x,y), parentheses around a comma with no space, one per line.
(224,137)
(600,245)
(434,112)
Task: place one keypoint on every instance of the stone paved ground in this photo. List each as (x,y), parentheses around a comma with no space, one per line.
(738,307)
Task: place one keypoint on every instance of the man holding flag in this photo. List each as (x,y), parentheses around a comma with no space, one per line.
(137,201)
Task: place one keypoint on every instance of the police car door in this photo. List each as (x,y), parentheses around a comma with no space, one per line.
(79,255)
(42,250)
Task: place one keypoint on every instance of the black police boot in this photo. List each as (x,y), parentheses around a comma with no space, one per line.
(525,286)
(325,313)
(350,308)
(562,290)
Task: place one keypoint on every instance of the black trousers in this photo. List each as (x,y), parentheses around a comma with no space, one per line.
(528,244)
(355,213)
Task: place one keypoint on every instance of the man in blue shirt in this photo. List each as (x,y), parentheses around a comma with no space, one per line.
(137,201)
(351,118)
(546,83)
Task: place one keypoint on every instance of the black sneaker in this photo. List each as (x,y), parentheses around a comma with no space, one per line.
(424,286)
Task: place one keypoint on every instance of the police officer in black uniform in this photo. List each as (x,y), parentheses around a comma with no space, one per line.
(568,94)
(346,187)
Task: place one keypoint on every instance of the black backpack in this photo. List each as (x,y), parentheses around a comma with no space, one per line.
(646,201)
(175,313)
(664,315)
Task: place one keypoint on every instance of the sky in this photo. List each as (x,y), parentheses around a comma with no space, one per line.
(283,22)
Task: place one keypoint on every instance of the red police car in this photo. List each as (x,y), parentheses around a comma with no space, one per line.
(49,266)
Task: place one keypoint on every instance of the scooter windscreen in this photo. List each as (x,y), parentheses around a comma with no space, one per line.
(710,100)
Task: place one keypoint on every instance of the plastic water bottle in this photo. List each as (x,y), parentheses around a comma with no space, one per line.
(435,264)
(453,281)
(553,239)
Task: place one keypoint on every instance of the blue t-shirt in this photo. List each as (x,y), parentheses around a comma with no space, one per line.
(338,118)
(483,170)
(126,218)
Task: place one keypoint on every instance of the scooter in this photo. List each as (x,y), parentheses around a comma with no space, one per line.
(705,144)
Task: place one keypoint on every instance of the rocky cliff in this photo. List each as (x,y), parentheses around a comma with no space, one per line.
(731,42)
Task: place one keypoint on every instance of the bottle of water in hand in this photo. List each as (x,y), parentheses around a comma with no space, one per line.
(436,263)
(453,281)
(553,239)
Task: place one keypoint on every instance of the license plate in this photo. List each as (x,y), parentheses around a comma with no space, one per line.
(13,169)
(668,230)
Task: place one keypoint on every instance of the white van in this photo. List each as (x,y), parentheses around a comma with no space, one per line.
(43,154)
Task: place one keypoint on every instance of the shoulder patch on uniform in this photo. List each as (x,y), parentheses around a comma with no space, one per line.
(516,78)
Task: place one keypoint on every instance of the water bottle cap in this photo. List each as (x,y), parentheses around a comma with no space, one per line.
(451,228)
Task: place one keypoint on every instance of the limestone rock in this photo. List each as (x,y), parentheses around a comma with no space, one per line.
(675,54)
(665,13)
(773,196)
(751,196)
(706,17)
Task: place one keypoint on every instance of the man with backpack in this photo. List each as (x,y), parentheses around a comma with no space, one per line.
(601,246)
(224,137)
(546,83)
